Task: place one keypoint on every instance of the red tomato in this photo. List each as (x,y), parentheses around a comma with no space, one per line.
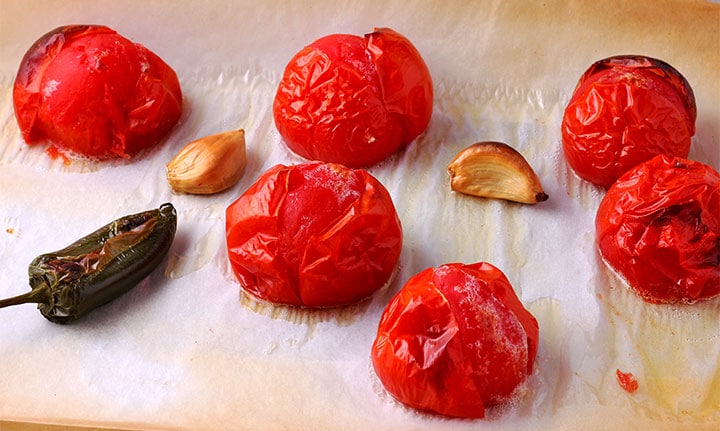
(315,235)
(352,100)
(627,381)
(658,226)
(92,92)
(454,340)
(624,111)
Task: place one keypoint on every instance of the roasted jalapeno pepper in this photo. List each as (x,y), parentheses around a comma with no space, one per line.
(94,270)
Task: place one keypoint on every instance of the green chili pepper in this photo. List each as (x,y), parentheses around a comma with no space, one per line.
(99,267)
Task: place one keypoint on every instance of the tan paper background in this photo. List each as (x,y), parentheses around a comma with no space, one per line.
(184,350)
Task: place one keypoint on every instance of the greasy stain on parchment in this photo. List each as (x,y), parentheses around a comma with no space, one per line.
(674,350)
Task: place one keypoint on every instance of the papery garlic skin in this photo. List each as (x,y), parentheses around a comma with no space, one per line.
(209,165)
(495,170)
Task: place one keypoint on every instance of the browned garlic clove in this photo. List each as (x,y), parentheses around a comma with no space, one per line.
(209,165)
(495,170)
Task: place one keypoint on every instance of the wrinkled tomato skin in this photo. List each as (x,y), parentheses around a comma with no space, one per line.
(91,92)
(455,340)
(354,100)
(658,228)
(313,235)
(624,111)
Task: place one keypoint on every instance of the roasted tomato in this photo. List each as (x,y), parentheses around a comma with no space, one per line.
(455,340)
(627,381)
(352,100)
(91,92)
(314,235)
(658,227)
(624,111)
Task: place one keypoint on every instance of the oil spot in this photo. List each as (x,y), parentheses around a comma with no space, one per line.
(342,316)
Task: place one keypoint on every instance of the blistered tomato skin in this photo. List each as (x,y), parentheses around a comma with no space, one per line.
(624,111)
(455,340)
(658,227)
(91,92)
(354,100)
(313,235)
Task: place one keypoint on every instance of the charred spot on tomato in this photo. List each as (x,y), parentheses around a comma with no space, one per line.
(658,227)
(680,164)
(651,65)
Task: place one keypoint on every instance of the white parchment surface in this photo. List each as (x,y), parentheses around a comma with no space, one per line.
(185,350)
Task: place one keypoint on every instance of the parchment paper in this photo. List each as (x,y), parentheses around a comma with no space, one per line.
(185,350)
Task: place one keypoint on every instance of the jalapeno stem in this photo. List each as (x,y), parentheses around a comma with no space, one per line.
(39,295)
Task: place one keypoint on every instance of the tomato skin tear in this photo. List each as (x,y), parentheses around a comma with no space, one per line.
(658,227)
(627,381)
(455,340)
(91,92)
(354,100)
(624,111)
(313,235)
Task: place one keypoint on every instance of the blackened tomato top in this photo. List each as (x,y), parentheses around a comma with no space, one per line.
(624,111)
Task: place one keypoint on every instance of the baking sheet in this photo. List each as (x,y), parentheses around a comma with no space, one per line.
(185,350)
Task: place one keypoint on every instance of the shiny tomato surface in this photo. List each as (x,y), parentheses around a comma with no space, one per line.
(658,226)
(314,235)
(354,100)
(91,92)
(624,111)
(455,340)
(627,381)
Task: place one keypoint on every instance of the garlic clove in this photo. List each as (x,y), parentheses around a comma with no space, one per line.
(209,165)
(495,170)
